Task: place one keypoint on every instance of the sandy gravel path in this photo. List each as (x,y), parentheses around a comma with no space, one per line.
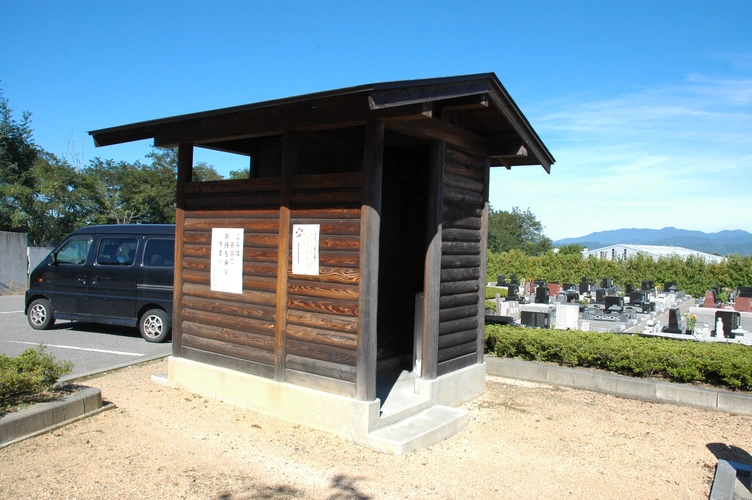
(524,440)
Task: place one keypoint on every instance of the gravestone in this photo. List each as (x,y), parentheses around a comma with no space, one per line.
(614,304)
(607,283)
(553,289)
(513,279)
(535,319)
(569,286)
(573,296)
(636,298)
(584,286)
(501,280)
(673,321)
(567,317)
(629,288)
(731,321)
(647,285)
(710,300)
(743,304)
(600,296)
(541,295)
(513,291)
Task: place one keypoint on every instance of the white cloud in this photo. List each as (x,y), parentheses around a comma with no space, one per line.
(680,155)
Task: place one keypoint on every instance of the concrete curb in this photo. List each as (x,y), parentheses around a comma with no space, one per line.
(85,375)
(620,385)
(43,417)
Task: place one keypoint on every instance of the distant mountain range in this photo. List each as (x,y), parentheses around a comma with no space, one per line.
(721,243)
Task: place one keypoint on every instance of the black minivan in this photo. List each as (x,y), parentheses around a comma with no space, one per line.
(117,275)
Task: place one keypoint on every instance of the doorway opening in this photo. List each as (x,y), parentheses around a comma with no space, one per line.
(402,254)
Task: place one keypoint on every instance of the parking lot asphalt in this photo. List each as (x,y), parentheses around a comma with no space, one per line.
(91,347)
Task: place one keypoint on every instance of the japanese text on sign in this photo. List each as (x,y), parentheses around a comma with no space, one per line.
(305,249)
(227,260)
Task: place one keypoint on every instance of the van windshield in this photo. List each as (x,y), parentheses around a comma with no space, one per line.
(74,251)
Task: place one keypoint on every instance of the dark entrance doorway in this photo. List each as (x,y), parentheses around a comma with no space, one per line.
(402,252)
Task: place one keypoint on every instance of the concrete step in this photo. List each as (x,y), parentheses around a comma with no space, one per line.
(423,429)
(402,402)
(407,409)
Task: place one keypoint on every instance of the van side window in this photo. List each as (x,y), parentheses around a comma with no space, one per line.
(74,252)
(117,251)
(159,253)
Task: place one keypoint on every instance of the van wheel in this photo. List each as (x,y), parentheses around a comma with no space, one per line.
(40,316)
(154,325)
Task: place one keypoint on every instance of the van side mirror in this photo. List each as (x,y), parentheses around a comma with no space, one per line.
(53,258)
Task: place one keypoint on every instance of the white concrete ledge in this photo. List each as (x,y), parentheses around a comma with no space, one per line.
(620,385)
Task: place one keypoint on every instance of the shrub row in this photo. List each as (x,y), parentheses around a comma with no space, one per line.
(693,274)
(726,365)
(35,370)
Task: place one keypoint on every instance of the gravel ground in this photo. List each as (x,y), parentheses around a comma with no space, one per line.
(524,440)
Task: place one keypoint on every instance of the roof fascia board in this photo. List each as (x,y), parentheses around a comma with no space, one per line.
(504,103)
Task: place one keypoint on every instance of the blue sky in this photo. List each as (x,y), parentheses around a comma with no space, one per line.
(646,105)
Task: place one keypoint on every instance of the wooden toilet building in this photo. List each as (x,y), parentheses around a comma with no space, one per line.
(350,265)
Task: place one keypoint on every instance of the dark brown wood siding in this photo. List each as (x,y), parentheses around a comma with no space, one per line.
(238,330)
(461,241)
(322,311)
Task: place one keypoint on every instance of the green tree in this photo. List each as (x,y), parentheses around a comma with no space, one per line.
(517,229)
(573,249)
(62,200)
(239,174)
(17,155)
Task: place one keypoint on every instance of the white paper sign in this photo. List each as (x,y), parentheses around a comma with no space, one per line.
(305,249)
(227,260)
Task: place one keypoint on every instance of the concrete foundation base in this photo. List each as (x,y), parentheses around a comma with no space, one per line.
(423,412)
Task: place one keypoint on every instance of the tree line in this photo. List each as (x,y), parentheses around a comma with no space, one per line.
(693,274)
(48,196)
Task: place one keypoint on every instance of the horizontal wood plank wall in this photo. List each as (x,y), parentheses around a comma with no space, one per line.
(322,311)
(461,259)
(226,329)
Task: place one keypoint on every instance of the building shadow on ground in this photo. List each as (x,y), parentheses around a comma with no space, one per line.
(722,451)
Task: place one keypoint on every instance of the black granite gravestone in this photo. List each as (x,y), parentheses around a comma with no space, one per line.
(673,321)
(584,286)
(614,303)
(731,321)
(541,295)
(535,319)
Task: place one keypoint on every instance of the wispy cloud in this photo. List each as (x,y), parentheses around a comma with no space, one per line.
(677,155)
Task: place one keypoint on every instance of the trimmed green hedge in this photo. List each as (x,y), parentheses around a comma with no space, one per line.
(491,292)
(35,370)
(693,274)
(727,365)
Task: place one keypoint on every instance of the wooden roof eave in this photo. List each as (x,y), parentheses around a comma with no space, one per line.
(536,149)
(399,104)
(483,86)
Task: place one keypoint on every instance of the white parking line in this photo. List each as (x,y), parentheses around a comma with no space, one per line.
(80,348)
(10,312)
